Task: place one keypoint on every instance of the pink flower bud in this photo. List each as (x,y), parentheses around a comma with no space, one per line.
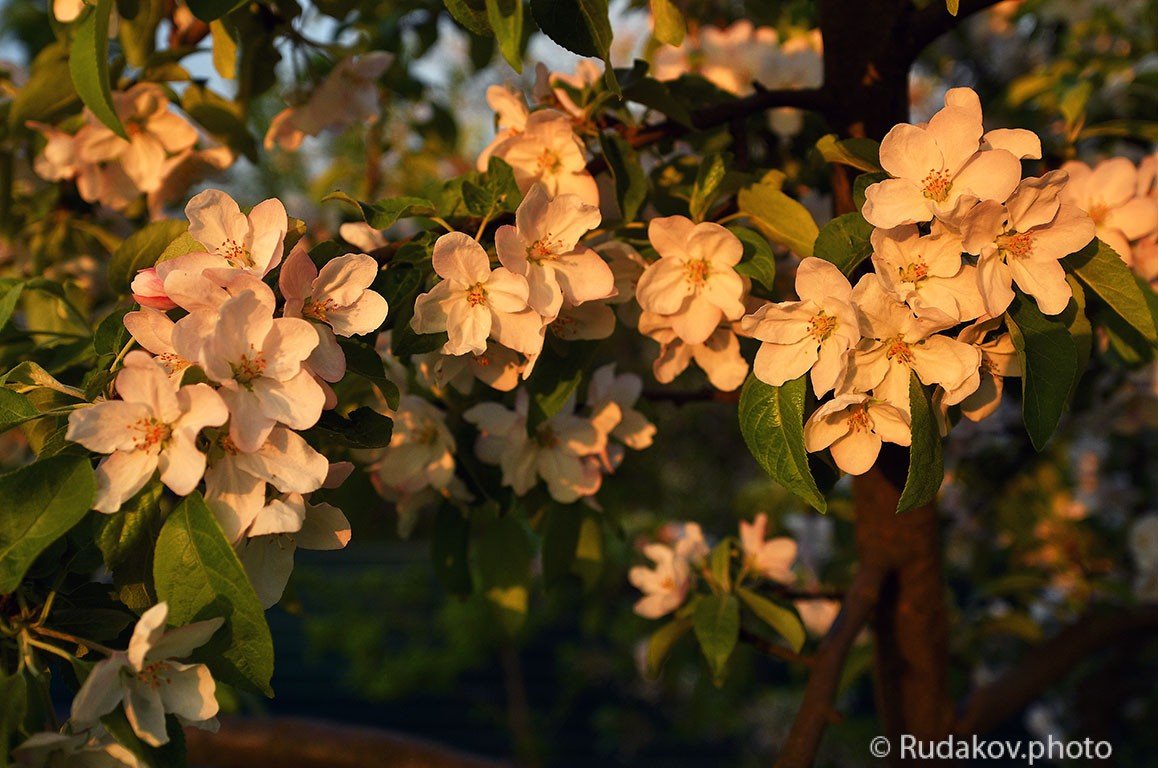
(149,291)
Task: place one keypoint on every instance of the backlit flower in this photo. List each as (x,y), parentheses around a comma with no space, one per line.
(853,428)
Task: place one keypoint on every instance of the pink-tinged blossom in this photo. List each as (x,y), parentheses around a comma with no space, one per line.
(153,330)
(927,273)
(1023,242)
(771,558)
(694,283)
(1118,198)
(250,242)
(149,291)
(624,389)
(149,683)
(257,360)
(548,152)
(474,302)
(665,585)
(154,426)
(852,427)
(998,360)
(719,356)
(896,343)
(543,246)
(939,169)
(421,450)
(813,334)
(337,301)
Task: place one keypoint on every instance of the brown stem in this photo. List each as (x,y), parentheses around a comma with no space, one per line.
(775,650)
(301,743)
(1050,662)
(816,709)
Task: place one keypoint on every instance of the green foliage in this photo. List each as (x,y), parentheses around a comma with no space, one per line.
(716,620)
(556,378)
(141,250)
(14,694)
(786,623)
(660,643)
(860,153)
(49,92)
(630,180)
(364,427)
(704,191)
(502,553)
(1102,271)
(1049,367)
(845,242)
(126,540)
(88,61)
(506,20)
(385,213)
(43,501)
(925,468)
(782,219)
(670,26)
(772,422)
(209,10)
(580,26)
(15,409)
(198,574)
(759,262)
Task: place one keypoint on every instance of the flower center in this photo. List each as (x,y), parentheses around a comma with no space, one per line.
(1098,212)
(155,675)
(247,369)
(1017,246)
(172,362)
(546,438)
(914,272)
(822,325)
(236,254)
(543,250)
(936,185)
(697,271)
(549,162)
(858,419)
(476,295)
(317,310)
(898,350)
(150,432)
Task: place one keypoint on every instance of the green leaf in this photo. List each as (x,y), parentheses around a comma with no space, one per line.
(660,643)
(1049,367)
(469,16)
(844,241)
(786,623)
(656,95)
(759,262)
(363,428)
(560,540)
(384,213)
(198,574)
(363,360)
(1099,268)
(711,174)
(862,183)
(127,540)
(42,502)
(580,26)
(88,61)
(925,468)
(449,546)
(860,153)
(14,694)
(506,20)
(141,250)
(721,565)
(556,377)
(182,245)
(49,91)
(15,409)
(224,50)
(138,35)
(772,422)
(670,26)
(717,625)
(9,298)
(209,10)
(626,171)
(781,218)
(502,557)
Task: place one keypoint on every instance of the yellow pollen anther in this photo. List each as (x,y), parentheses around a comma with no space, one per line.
(248,369)
(236,254)
(549,162)
(936,185)
(150,432)
(317,310)
(898,349)
(476,295)
(859,420)
(915,272)
(543,250)
(697,271)
(1017,246)
(822,325)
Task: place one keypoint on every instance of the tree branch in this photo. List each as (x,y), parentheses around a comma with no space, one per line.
(816,710)
(932,21)
(1050,662)
(300,743)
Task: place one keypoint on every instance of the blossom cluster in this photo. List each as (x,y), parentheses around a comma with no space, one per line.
(682,560)
(955,230)
(264,374)
(159,156)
